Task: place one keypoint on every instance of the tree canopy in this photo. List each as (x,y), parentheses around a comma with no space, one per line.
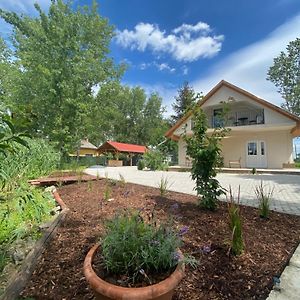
(183,101)
(48,81)
(62,55)
(285,74)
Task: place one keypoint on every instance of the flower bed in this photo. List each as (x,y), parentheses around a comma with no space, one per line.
(219,275)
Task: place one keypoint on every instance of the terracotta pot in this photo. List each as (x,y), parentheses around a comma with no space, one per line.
(106,291)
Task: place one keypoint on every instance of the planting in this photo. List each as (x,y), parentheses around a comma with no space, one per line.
(205,235)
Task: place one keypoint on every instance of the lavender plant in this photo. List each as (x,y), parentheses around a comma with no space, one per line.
(136,247)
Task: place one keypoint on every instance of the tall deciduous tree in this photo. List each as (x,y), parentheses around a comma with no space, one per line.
(285,74)
(184,101)
(62,55)
(129,116)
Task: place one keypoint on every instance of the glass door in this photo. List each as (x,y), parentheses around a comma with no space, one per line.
(256,154)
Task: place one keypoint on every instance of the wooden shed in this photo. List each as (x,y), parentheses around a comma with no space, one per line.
(116,148)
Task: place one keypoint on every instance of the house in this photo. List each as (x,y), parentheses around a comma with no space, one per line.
(131,151)
(261,134)
(87,149)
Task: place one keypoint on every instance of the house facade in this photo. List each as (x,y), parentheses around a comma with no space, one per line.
(261,134)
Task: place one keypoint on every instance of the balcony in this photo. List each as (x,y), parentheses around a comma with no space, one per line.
(237,118)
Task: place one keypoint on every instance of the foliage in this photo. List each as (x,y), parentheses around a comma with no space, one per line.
(154,160)
(122,180)
(285,74)
(205,152)
(235,224)
(141,165)
(9,138)
(38,159)
(132,246)
(264,198)
(253,171)
(107,192)
(25,207)
(63,55)
(184,101)
(128,115)
(163,186)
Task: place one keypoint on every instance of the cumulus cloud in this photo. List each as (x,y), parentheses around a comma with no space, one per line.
(185,43)
(248,67)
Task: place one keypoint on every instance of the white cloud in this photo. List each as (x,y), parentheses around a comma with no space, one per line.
(200,26)
(185,70)
(23,6)
(248,67)
(186,43)
(165,66)
(159,66)
(19,7)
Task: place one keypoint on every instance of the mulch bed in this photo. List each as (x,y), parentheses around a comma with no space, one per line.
(219,275)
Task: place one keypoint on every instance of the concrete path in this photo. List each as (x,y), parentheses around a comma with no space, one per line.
(289,281)
(286,195)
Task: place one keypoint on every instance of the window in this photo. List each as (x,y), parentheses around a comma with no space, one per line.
(252,148)
(262,148)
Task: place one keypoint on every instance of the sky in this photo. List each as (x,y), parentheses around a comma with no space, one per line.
(167,42)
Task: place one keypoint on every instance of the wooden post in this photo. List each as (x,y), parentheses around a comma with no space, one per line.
(130,155)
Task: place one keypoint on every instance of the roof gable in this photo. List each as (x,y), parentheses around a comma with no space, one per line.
(224,83)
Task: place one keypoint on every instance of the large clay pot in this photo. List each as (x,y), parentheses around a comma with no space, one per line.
(106,291)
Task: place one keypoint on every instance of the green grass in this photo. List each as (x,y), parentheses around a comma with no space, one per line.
(297,164)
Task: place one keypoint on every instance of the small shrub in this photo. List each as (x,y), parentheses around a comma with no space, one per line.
(141,165)
(253,171)
(235,224)
(163,186)
(154,160)
(132,246)
(122,180)
(264,198)
(107,192)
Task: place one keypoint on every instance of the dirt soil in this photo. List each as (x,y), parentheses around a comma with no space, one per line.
(219,275)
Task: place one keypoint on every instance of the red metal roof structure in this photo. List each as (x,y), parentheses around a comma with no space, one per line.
(122,147)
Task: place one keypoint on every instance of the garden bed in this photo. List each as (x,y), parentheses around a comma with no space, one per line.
(219,275)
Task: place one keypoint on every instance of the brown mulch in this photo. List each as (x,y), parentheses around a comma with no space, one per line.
(219,275)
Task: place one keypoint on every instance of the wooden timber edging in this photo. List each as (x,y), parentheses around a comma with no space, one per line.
(19,280)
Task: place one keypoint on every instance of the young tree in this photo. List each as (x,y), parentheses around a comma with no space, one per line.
(285,74)
(205,151)
(62,54)
(184,101)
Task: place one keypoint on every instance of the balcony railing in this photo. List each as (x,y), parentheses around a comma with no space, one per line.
(239,118)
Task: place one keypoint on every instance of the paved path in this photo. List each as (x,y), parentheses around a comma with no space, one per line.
(286,195)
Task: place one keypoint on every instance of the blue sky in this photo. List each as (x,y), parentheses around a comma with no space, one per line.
(168,42)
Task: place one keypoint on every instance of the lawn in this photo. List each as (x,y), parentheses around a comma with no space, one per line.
(219,275)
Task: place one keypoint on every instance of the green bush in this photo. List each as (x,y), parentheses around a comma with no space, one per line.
(37,160)
(154,160)
(132,245)
(205,152)
(141,165)
(23,210)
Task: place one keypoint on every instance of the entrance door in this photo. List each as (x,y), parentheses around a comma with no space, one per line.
(256,156)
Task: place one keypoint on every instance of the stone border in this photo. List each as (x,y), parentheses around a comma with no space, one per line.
(288,287)
(19,280)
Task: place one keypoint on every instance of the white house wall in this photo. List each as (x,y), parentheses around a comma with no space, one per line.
(278,148)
